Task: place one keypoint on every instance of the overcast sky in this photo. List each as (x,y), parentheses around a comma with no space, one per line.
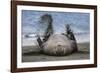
(79,22)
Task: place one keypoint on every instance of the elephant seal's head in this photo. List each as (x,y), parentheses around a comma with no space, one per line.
(59,45)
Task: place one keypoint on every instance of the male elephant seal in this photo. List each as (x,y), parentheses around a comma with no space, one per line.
(59,45)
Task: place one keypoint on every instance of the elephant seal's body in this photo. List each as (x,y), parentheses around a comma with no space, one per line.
(59,45)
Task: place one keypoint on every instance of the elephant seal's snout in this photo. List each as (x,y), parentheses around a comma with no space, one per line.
(58,45)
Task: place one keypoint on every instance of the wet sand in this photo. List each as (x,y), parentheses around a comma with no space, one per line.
(33,54)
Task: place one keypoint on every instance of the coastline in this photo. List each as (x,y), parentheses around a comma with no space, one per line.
(33,54)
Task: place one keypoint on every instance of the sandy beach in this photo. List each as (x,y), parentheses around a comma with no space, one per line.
(33,54)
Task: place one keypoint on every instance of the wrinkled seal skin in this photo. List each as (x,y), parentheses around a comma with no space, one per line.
(59,45)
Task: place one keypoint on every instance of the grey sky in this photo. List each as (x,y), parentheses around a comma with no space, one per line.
(80,22)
